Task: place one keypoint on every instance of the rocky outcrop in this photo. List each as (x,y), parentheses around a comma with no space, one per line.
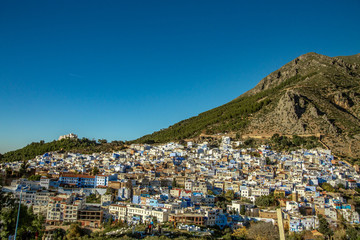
(327,103)
(289,110)
(343,100)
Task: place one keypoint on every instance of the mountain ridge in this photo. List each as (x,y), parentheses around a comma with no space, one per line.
(312,94)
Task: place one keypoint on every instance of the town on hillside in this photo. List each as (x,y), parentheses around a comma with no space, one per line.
(194,188)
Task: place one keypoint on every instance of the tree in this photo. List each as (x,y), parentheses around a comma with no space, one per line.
(240,233)
(93,199)
(34,178)
(210,192)
(324,227)
(5,199)
(150,141)
(29,223)
(250,142)
(265,201)
(295,236)
(102,141)
(117,143)
(7,207)
(174,185)
(8,172)
(23,168)
(275,137)
(327,187)
(341,221)
(109,191)
(108,223)
(340,234)
(183,142)
(59,234)
(229,195)
(263,231)
(95,171)
(242,210)
(74,232)
(268,161)
(221,204)
(352,233)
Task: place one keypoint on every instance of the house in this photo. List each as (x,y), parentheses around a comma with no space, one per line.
(350,215)
(305,223)
(175,192)
(77,180)
(103,180)
(41,202)
(106,199)
(118,212)
(63,208)
(188,218)
(45,182)
(268,214)
(330,212)
(144,214)
(351,184)
(292,206)
(237,206)
(246,192)
(90,216)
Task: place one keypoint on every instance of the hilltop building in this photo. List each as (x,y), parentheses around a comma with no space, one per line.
(68,136)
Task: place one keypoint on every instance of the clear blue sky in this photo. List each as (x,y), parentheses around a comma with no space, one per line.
(122,69)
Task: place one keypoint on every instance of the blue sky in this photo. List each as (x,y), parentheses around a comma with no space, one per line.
(122,69)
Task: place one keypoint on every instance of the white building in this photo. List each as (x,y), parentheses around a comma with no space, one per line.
(70,136)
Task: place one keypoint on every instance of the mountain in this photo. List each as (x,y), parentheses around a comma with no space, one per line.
(311,95)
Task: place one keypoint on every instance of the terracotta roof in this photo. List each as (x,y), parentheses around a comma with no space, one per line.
(316,233)
(76,175)
(57,198)
(117,205)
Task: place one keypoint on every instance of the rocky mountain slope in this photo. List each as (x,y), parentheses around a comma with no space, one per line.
(311,95)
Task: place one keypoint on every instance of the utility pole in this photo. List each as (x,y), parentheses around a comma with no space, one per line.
(17,219)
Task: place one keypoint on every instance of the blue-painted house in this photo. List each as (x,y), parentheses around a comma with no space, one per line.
(77,180)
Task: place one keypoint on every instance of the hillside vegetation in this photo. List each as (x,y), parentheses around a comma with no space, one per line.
(230,117)
(83,145)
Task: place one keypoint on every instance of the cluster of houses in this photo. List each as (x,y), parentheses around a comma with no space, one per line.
(181,184)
